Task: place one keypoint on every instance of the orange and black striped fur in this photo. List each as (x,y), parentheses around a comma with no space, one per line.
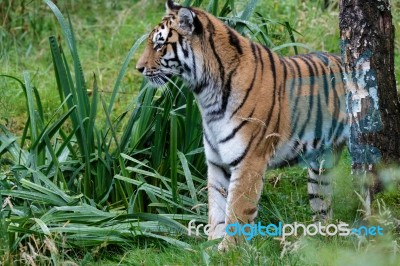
(259,110)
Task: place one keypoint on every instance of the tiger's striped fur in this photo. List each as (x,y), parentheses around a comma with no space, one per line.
(259,110)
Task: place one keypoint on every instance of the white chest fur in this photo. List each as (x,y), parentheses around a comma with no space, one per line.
(217,148)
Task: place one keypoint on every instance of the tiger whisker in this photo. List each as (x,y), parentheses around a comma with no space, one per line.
(179,89)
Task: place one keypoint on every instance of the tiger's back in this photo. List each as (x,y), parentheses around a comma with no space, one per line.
(258,109)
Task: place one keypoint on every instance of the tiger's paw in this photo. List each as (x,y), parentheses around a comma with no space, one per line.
(228,243)
(223,247)
(218,232)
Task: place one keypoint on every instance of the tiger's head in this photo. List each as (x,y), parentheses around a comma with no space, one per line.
(172,47)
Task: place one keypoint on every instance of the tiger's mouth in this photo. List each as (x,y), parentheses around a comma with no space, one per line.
(158,79)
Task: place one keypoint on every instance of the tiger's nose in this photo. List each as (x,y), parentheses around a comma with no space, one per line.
(140,69)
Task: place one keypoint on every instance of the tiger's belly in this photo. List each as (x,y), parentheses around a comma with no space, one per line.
(310,149)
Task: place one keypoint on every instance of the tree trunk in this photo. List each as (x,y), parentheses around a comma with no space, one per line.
(367,44)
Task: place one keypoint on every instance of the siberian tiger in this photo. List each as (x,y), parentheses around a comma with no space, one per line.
(258,110)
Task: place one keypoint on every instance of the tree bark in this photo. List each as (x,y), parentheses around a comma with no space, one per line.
(367,45)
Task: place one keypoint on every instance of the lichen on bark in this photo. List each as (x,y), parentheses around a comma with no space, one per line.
(367,52)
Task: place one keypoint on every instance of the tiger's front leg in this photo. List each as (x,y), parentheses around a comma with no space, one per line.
(244,192)
(218,183)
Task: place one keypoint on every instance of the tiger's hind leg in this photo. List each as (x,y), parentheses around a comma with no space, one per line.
(319,184)
(319,188)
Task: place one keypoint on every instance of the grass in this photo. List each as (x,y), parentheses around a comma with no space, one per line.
(87,178)
(104,40)
(290,190)
(285,199)
(303,251)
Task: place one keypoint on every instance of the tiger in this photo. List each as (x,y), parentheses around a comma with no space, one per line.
(259,111)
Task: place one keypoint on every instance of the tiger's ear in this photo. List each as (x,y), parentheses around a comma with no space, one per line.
(185,23)
(186,20)
(170,6)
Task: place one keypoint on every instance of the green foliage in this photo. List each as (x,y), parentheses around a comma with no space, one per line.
(87,169)
(75,167)
(132,175)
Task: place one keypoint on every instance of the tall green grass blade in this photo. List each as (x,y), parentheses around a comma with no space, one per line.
(10,146)
(127,135)
(286,45)
(110,128)
(247,12)
(170,240)
(42,226)
(213,7)
(51,129)
(93,113)
(31,107)
(173,157)
(55,162)
(64,25)
(185,202)
(263,31)
(124,172)
(80,83)
(39,106)
(290,31)
(34,197)
(228,7)
(189,116)
(159,138)
(79,78)
(187,2)
(122,72)
(63,82)
(188,177)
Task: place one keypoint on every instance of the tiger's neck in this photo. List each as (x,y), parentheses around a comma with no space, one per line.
(224,53)
(230,66)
